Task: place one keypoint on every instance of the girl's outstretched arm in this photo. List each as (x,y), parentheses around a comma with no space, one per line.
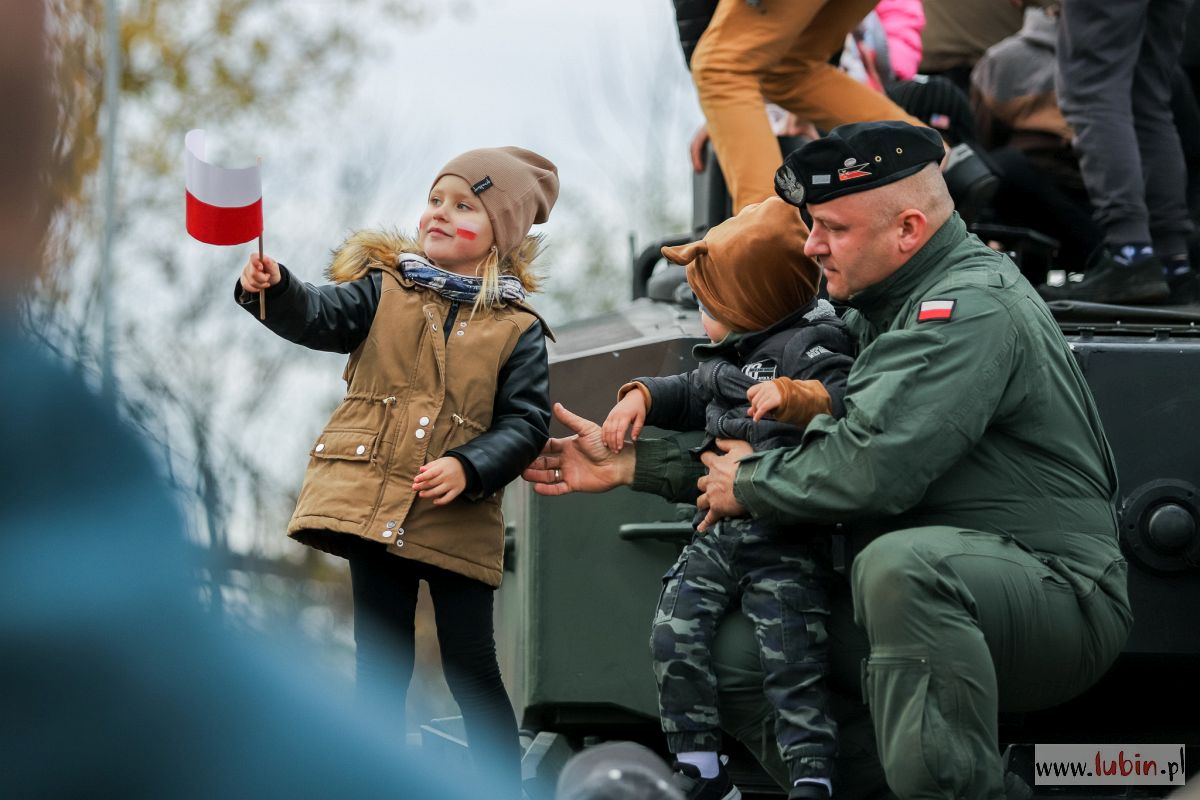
(334,317)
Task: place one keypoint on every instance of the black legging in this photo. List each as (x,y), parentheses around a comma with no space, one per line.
(385,600)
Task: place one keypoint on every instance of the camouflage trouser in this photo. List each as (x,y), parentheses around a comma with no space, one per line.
(782,582)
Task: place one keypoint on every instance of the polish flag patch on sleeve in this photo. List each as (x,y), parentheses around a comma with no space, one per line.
(935,309)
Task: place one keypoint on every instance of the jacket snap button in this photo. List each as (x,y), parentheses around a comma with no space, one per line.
(391,523)
(420,434)
(433,327)
(320,447)
(387,534)
(399,543)
(462,324)
(400,532)
(460,333)
(362,448)
(423,421)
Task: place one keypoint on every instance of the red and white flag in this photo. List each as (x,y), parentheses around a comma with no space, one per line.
(224,206)
(935,309)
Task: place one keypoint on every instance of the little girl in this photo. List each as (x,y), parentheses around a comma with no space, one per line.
(446,403)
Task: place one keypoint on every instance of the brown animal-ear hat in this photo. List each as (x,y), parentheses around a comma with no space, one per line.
(517,188)
(750,271)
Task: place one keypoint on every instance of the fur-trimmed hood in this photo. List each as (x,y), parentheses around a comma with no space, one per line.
(373,249)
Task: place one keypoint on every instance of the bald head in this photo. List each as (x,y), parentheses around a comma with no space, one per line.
(924,191)
(862,238)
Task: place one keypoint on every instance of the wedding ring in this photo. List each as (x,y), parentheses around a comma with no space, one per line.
(558,476)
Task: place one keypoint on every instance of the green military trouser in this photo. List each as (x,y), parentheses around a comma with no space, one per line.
(955,625)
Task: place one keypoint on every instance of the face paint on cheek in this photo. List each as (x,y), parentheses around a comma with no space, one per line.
(468,232)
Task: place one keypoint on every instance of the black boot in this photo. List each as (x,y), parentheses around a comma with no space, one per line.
(1185,288)
(1111,280)
(1015,765)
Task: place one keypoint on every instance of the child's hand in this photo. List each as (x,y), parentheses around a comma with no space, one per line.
(763,397)
(443,479)
(260,273)
(631,410)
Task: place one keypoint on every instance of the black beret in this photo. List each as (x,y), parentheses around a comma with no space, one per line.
(855,158)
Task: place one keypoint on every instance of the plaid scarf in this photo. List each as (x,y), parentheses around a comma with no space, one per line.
(451,285)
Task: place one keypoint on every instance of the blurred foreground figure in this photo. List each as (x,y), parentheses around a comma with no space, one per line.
(114,683)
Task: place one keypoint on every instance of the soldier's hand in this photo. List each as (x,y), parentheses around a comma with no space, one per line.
(629,411)
(579,463)
(716,488)
(260,273)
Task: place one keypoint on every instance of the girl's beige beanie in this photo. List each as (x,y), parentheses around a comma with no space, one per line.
(517,188)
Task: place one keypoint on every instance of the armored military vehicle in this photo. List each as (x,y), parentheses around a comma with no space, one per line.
(584,571)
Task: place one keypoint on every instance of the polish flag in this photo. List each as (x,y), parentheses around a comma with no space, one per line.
(224,206)
(935,309)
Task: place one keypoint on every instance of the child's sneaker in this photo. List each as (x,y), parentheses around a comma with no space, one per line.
(687,780)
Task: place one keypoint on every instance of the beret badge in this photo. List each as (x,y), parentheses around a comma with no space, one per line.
(788,186)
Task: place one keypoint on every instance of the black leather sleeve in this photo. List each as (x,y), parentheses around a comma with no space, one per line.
(335,316)
(520,420)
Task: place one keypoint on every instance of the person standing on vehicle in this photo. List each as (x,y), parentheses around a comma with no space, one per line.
(753,52)
(1116,63)
(970,440)
(446,403)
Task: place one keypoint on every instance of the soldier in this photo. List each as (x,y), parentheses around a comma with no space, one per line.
(970,440)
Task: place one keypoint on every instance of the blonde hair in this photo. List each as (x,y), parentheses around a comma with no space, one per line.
(518,263)
(373,249)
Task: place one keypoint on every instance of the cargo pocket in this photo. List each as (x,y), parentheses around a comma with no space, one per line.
(910,707)
(351,444)
(342,480)
(671,580)
(1107,614)
(803,622)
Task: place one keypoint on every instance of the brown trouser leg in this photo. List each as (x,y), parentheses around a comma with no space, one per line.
(777,53)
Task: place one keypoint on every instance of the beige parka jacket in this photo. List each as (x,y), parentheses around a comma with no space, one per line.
(425,378)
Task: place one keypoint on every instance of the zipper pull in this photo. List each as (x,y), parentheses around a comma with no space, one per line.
(458,419)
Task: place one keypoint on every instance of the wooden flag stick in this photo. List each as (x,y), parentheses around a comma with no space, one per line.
(262,296)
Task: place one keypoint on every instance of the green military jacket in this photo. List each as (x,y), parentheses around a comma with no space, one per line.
(965,407)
